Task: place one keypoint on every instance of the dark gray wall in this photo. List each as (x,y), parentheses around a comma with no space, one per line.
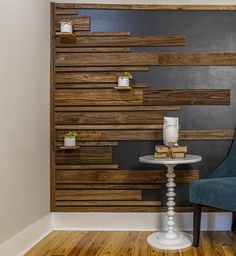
(207,31)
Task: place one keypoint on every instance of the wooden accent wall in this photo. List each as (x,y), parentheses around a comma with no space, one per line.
(83,76)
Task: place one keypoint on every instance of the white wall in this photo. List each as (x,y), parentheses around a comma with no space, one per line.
(24,114)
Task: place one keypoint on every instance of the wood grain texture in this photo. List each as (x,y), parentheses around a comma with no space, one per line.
(86,77)
(187,97)
(107,203)
(102,34)
(84,155)
(97,243)
(128,41)
(87,167)
(66,12)
(156,59)
(92,49)
(92,143)
(111,127)
(123,176)
(98,195)
(118,108)
(76,118)
(98,97)
(149,7)
(107,186)
(79,22)
(97,85)
(102,69)
(149,135)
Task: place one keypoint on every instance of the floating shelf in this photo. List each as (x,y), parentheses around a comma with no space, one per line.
(69,148)
(65,35)
(123,88)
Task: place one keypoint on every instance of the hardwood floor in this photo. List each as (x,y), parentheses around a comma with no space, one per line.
(73,243)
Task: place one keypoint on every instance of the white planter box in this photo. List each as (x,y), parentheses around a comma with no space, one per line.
(123,81)
(66,27)
(69,142)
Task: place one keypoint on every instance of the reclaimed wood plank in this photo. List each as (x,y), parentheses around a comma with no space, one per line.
(187,97)
(76,118)
(66,12)
(107,186)
(108,203)
(150,7)
(156,59)
(102,69)
(149,135)
(96,85)
(98,97)
(84,155)
(127,41)
(87,167)
(123,176)
(92,143)
(102,34)
(86,77)
(92,50)
(118,108)
(98,195)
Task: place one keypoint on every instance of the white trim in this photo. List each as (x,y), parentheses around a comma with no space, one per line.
(135,221)
(23,241)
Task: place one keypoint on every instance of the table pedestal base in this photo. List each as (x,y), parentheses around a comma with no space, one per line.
(158,240)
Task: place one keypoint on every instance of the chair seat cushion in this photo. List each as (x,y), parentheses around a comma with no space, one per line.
(215,192)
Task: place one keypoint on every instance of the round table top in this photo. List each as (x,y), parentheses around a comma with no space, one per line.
(150,159)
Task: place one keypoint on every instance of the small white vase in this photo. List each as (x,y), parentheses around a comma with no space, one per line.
(171,131)
(69,142)
(123,81)
(66,27)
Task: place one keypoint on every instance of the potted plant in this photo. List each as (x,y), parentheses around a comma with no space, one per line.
(123,79)
(66,26)
(70,139)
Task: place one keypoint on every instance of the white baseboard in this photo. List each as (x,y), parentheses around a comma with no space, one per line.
(136,221)
(23,241)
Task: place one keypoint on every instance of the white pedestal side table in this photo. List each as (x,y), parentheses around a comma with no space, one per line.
(170,239)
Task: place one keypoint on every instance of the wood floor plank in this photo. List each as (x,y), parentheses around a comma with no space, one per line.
(129,243)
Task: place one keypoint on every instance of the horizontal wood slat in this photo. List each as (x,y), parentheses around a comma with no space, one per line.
(93,143)
(93,50)
(79,22)
(150,7)
(98,195)
(102,34)
(118,108)
(156,59)
(149,135)
(128,41)
(123,176)
(76,118)
(66,12)
(96,85)
(107,186)
(85,77)
(84,155)
(187,97)
(102,69)
(109,203)
(87,167)
(110,127)
(98,97)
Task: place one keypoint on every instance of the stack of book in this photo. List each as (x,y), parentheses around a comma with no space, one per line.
(170,152)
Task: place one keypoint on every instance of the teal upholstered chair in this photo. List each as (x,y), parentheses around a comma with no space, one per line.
(218,191)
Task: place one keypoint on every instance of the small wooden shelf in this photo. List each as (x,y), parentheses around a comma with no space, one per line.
(65,35)
(123,88)
(68,148)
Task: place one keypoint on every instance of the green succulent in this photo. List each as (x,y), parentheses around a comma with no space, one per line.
(126,74)
(71,134)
